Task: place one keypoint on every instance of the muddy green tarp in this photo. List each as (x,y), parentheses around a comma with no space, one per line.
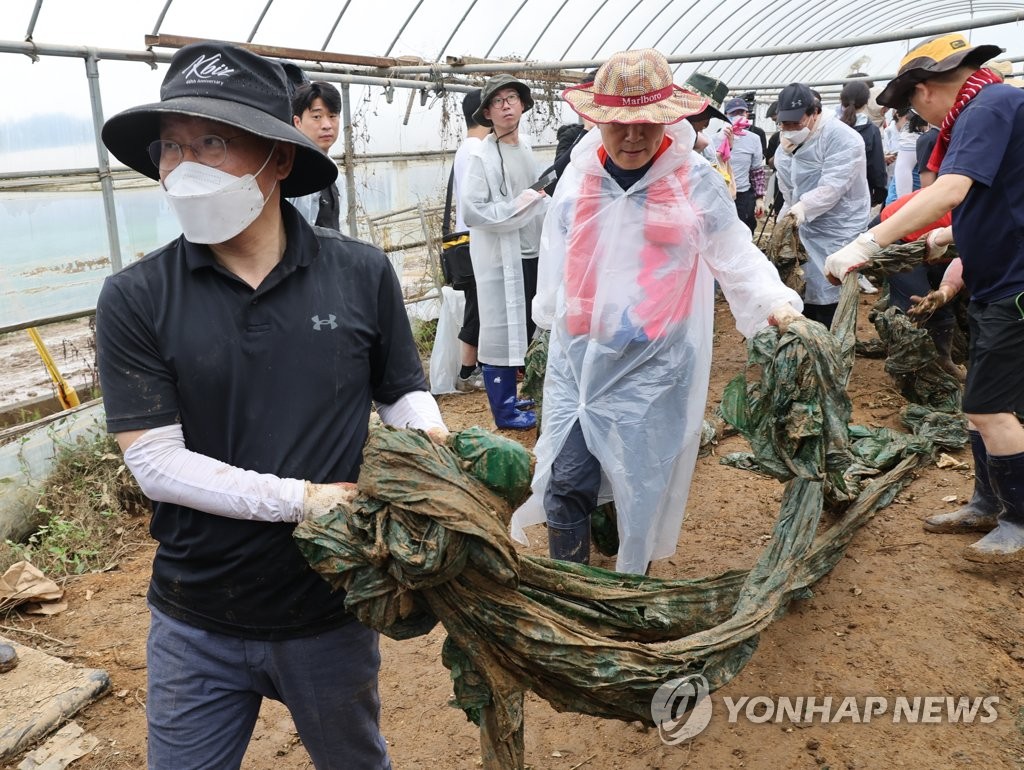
(787,253)
(427,541)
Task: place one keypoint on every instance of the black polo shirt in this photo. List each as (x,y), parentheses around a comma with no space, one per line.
(276,380)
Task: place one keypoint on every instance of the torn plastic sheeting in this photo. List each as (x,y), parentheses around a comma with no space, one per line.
(425,542)
(787,253)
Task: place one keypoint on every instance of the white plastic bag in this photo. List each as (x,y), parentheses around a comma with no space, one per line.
(445,357)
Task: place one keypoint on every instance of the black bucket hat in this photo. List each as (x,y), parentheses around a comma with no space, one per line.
(495,84)
(231,85)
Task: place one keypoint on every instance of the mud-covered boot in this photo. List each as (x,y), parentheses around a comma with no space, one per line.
(1005,543)
(943,339)
(979,515)
(570,542)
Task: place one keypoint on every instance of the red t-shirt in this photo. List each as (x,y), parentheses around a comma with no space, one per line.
(944,221)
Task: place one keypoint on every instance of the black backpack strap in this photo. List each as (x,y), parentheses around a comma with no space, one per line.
(446,225)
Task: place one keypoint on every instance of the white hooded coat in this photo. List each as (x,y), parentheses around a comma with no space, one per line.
(494,221)
(626,286)
(828,174)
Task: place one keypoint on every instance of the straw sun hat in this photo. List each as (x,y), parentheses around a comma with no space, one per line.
(634,87)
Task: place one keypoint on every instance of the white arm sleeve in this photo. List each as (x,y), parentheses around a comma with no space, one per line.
(416,409)
(905,162)
(170,473)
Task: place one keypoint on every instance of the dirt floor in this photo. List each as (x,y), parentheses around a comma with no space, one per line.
(902,615)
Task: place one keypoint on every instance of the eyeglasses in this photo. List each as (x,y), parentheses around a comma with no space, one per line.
(500,101)
(210,150)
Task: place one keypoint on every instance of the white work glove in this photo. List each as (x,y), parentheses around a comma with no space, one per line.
(852,256)
(758,207)
(783,316)
(799,213)
(324,498)
(528,197)
(936,242)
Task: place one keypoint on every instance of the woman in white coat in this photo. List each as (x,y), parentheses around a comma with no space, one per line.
(639,228)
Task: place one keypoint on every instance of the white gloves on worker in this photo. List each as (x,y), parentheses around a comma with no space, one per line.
(799,213)
(528,197)
(783,316)
(936,243)
(852,256)
(324,498)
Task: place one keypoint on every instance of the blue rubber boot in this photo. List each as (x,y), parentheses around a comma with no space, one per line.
(500,383)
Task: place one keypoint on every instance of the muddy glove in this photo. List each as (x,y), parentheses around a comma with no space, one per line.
(324,498)
(783,316)
(799,213)
(922,308)
(852,256)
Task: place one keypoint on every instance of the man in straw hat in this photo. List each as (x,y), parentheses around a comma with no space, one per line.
(504,216)
(638,229)
(238,365)
(979,158)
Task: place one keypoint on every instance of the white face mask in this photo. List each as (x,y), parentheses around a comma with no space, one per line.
(214,206)
(797,137)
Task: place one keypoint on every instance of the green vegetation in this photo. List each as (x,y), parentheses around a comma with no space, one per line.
(423,333)
(87,511)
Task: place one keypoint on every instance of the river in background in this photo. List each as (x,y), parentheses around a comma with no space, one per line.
(53,246)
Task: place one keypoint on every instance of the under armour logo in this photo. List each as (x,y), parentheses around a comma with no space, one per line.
(318,324)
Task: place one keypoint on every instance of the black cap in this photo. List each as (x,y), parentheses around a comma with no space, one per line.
(794,102)
(470,104)
(231,85)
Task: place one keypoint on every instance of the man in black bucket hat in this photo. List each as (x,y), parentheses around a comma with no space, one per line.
(238,365)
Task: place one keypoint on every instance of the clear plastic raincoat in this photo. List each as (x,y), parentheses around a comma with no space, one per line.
(626,286)
(828,173)
(494,220)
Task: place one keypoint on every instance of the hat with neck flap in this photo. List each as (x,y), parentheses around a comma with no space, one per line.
(931,57)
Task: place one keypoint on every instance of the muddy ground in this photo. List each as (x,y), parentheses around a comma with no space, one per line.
(901,615)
